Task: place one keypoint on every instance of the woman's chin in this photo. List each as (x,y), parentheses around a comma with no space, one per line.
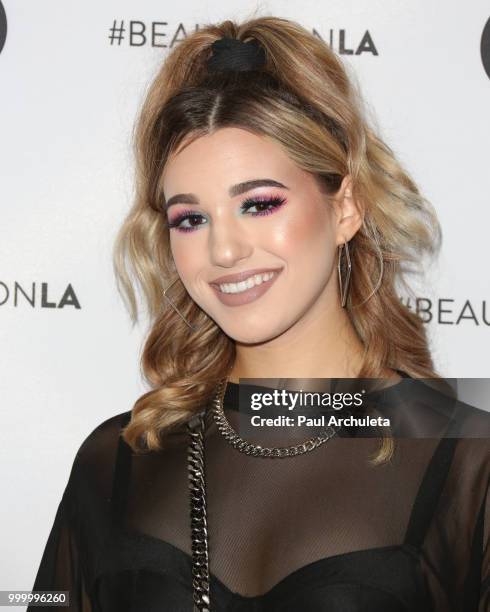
(247,334)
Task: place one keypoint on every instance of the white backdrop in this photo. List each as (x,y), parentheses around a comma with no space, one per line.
(69,97)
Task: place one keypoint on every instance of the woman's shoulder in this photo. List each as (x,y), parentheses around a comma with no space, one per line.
(419,409)
(95,460)
(104,437)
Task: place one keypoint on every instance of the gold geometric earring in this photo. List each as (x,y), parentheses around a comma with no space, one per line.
(175,307)
(344,284)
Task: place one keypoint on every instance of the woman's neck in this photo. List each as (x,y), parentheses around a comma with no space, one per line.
(303,352)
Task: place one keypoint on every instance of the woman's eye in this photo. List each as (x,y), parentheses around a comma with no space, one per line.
(186,222)
(189,221)
(264,206)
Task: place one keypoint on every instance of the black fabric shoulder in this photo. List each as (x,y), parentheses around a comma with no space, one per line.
(94,463)
(72,552)
(103,435)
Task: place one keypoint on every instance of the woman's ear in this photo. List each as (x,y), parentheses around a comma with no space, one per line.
(349,212)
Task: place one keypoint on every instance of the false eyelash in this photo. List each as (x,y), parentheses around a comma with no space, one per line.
(186,214)
(274,202)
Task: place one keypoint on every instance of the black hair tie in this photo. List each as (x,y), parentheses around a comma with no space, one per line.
(231,54)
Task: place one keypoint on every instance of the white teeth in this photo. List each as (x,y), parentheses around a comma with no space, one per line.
(252,281)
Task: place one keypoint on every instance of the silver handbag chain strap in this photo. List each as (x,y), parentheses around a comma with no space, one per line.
(197,485)
(198,514)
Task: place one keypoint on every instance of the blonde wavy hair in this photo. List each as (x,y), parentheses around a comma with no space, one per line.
(303,100)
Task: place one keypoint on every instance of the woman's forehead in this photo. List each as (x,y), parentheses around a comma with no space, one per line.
(229,155)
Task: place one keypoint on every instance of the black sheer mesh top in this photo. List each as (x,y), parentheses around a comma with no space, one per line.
(324,531)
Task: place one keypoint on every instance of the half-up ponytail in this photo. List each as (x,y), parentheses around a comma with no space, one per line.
(302,99)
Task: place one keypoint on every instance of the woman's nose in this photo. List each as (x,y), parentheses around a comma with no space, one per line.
(228,243)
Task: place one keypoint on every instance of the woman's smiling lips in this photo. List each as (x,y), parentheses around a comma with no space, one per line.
(247,295)
(241,276)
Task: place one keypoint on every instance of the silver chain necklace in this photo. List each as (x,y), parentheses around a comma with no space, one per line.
(197,484)
(254,449)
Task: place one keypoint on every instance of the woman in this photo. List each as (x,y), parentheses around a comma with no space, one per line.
(269,230)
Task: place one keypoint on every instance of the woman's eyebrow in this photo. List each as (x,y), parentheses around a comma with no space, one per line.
(234,190)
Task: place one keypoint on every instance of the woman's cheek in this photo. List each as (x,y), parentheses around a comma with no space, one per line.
(296,232)
(181,254)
